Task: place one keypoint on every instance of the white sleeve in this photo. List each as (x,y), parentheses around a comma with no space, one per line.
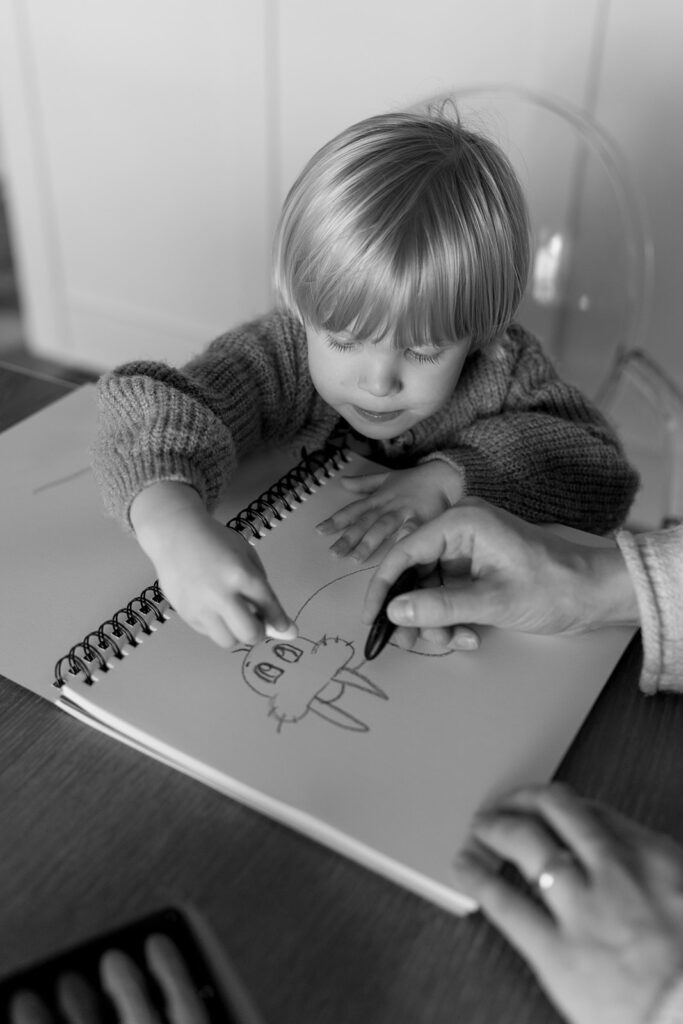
(670,1009)
(655,564)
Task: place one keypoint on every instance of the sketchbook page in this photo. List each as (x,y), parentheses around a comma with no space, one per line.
(66,566)
(385,761)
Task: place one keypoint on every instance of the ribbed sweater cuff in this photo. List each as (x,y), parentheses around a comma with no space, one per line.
(656,568)
(467,464)
(478,480)
(127,481)
(670,1009)
(157,434)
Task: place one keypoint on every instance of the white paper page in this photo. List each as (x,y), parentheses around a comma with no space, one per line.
(387,760)
(65,566)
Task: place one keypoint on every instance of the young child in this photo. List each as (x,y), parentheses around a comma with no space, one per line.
(400,258)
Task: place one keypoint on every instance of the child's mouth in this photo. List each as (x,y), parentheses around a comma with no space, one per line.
(377,417)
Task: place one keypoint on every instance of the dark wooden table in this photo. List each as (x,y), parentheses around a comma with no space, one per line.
(93,834)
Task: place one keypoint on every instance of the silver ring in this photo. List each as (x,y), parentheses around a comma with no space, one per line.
(548,876)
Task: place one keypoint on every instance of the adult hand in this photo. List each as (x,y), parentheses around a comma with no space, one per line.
(392,500)
(606,939)
(498,570)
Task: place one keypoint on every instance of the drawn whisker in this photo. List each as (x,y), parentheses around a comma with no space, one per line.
(61,480)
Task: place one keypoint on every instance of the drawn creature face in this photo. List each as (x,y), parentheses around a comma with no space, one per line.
(302,675)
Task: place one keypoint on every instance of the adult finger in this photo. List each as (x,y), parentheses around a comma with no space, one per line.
(451,638)
(525,841)
(439,637)
(405,638)
(526,926)
(570,816)
(462,600)
(390,569)
(464,638)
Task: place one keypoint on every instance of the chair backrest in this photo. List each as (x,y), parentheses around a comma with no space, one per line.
(590,288)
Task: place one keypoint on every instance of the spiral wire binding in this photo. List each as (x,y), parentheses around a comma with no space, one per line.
(150,609)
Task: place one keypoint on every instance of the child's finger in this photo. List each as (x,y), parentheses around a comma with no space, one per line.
(372,539)
(364,484)
(212,625)
(344,517)
(244,619)
(354,533)
(265,606)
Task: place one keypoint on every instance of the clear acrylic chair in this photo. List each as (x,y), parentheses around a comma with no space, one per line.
(590,287)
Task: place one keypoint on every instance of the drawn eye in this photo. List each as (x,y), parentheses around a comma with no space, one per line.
(285,652)
(267,673)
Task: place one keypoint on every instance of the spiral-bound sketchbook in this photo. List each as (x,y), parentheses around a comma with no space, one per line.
(384,761)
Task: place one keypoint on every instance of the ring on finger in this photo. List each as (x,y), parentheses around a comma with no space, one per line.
(554,866)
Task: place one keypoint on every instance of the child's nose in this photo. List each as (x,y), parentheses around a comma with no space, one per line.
(379,375)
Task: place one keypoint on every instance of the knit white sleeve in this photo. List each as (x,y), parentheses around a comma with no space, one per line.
(670,1009)
(655,564)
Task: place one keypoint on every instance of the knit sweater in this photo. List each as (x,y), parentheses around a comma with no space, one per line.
(521,437)
(655,564)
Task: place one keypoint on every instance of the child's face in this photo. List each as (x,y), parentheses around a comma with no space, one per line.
(380,390)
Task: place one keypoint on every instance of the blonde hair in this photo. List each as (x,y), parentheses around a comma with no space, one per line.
(405,223)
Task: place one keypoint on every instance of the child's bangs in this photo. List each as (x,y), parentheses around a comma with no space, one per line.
(371,298)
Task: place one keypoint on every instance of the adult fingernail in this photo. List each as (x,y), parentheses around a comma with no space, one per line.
(402,611)
(467,643)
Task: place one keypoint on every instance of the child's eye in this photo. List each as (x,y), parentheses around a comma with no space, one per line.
(341,346)
(423,357)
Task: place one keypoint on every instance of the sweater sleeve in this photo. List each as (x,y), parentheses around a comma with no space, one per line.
(537,447)
(655,564)
(670,1009)
(194,424)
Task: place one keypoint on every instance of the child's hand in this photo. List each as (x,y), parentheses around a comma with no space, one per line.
(211,576)
(397,501)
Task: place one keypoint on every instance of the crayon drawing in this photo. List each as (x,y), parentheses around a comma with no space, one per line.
(312,672)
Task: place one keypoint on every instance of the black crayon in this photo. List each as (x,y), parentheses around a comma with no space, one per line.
(382,628)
